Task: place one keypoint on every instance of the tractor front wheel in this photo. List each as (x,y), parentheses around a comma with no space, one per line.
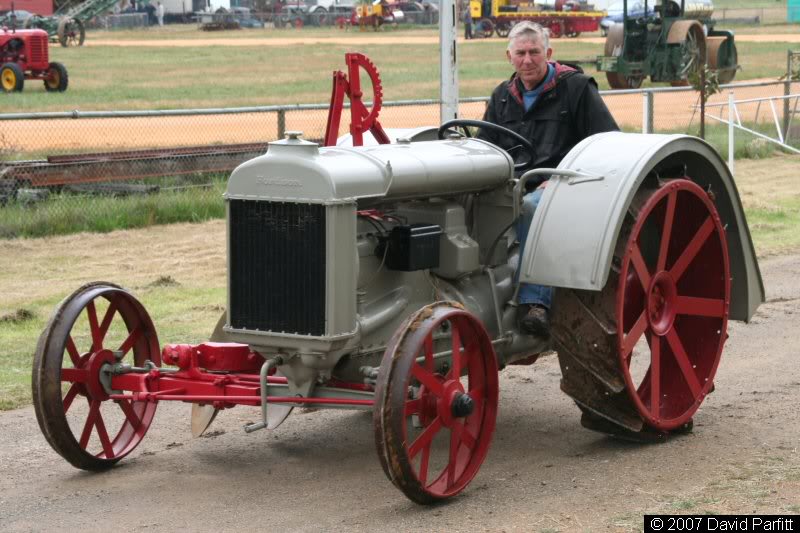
(614,47)
(94,329)
(436,402)
(12,79)
(57,78)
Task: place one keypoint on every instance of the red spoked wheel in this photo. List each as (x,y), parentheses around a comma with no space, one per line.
(436,402)
(672,303)
(95,328)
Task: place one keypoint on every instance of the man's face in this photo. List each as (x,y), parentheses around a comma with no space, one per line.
(529,58)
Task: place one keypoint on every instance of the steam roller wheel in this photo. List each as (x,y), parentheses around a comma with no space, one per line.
(640,356)
(689,34)
(98,325)
(502,29)
(613,47)
(484,28)
(720,52)
(434,418)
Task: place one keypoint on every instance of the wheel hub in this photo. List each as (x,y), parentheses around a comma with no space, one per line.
(94,366)
(661,298)
(462,406)
(453,390)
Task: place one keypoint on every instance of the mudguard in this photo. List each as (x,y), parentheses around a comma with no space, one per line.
(576,226)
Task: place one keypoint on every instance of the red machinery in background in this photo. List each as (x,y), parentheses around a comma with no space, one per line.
(24,55)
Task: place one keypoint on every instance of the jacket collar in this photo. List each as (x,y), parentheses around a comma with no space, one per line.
(514,85)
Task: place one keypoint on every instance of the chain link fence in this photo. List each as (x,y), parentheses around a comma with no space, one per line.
(91,165)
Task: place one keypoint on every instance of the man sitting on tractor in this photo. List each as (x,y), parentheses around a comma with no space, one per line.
(555,106)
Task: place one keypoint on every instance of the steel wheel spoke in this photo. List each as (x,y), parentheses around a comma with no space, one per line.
(634,334)
(640,267)
(74,375)
(69,397)
(455,444)
(455,372)
(683,362)
(413,407)
(428,347)
(130,414)
(468,439)
(655,377)
(692,249)
(423,465)
(688,305)
(131,340)
(109,316)
(666,231)
(103,434)
(427,379)
(425,438)
(94,327)
(94,412)
(73,352)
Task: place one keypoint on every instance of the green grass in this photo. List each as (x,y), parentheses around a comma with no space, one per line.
(182,314)
(131,77)
(776,228)
(65,213)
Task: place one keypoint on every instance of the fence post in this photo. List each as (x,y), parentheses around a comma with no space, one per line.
(731,150)
(787,90)
(281,123)
(647,111)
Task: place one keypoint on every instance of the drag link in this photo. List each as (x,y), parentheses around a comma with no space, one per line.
(265,368)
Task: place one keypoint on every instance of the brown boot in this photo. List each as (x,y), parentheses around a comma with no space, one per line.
(534,320)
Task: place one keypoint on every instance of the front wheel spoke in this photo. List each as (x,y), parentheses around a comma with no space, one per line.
(634,334)
(468,439)
(107,318)
(131,340)
(684,363)
(94,412)
(413,407)
(455,444)
(428,379)
(425,438)
(455,371)
(103,434)
(94,327)
(74,375)
(69,397)
(423,465)
(130,414)
(428,347)
(688,305)
(655,377)
(72,350)
(692,249)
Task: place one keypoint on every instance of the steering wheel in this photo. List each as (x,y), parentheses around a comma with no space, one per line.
(464,122)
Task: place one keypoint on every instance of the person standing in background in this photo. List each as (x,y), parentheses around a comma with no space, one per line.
(160,14)
(467,22)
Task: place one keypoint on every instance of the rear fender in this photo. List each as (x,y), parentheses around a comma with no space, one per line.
(576,226)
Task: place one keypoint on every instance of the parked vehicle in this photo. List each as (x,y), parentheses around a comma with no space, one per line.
(418,13)
(615,12)
(565,18)
(24,55)
(6,18)
(245,18)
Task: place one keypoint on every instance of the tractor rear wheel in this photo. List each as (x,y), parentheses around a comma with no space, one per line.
(434,416)
(57,78)
(613,47)
(484,28)
(71,32)
(98,325)
(640,356)
(12,79)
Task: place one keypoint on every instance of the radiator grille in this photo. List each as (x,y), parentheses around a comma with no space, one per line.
(38,49)
(277,267)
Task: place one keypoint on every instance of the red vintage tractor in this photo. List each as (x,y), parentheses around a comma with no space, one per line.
(24,55)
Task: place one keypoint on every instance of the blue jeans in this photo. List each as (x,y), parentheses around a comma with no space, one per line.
(528,292)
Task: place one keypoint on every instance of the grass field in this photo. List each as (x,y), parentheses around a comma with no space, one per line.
(135,77)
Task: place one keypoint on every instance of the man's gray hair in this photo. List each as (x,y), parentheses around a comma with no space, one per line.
(529,30)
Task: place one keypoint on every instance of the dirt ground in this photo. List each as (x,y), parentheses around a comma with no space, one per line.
(319,471)
(672,110)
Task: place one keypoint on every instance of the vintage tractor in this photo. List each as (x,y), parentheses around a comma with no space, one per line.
(669,43)
(383,278)
(24,55)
